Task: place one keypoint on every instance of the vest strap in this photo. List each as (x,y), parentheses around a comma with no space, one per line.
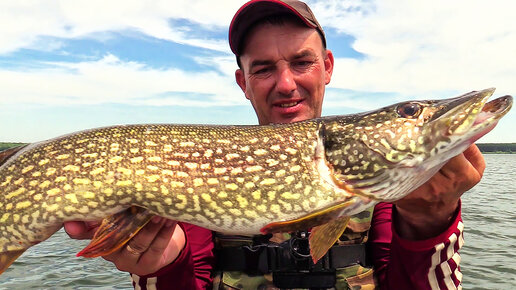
(270,258)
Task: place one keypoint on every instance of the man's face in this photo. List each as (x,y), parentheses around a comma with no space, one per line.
(284,72)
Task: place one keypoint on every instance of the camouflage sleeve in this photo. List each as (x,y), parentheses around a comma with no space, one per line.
(191,269)
(405,264)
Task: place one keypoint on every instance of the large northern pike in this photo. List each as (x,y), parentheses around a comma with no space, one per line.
(233,179)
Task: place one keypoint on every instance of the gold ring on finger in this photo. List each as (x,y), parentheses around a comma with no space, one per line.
(132,251)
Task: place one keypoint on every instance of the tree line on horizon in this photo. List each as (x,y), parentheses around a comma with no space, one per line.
(497,147)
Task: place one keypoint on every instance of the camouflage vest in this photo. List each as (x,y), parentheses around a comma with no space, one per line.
(352,277)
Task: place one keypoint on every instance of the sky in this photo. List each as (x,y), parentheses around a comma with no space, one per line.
(72,65)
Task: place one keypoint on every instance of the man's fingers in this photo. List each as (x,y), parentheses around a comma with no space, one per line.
(144,253)
(468,164)
(81,230)
(75,229)
(128,256)
(142,241)
(160,244)
(475,157)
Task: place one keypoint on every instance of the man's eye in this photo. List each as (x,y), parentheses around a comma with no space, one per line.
(303,63)
(261,71)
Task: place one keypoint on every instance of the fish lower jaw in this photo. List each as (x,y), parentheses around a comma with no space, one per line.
(483,132)
(484,123)
(493,111)
(482,117)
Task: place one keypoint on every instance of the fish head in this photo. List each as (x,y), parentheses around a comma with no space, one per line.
(387,153)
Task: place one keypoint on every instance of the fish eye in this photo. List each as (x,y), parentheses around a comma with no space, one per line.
(409,110)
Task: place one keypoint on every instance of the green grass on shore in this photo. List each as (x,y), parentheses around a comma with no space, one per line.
(6,145)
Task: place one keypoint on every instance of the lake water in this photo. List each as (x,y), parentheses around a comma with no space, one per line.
(489,252)
(488,259)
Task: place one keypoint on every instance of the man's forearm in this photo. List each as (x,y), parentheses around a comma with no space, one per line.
(401,263)
(424,224)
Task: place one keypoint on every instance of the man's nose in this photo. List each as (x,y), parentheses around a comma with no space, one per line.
(285,82)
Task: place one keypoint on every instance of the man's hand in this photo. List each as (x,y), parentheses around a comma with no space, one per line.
(427,211)
(155,246)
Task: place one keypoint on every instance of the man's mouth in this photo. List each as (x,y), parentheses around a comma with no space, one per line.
(288,105)
(288,108)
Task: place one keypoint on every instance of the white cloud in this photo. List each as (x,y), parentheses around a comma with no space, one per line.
(23,23)
(110,80)
(410,47)
(422,47)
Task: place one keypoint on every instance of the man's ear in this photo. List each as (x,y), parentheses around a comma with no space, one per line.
(328,66)
(240,79)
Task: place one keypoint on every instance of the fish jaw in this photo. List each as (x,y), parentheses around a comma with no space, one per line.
(472,113)
(491,113)
(464,131)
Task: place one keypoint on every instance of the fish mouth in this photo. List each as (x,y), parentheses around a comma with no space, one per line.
(472,114)
(489,116)
(494,109)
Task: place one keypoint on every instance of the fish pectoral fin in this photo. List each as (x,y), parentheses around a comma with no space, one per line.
(309,221)
(7,258)
(115,231)
(323,237)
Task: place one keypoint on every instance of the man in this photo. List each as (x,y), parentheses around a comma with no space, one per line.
(284,67)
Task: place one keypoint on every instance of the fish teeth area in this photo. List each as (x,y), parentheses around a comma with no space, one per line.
(223,177)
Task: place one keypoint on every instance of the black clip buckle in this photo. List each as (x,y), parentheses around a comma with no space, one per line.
(300,251)
(299,247)
(293,266)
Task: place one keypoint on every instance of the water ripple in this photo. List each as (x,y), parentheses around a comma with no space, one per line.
(53,265)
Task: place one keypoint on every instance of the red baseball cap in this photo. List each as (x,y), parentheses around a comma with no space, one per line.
(255,10)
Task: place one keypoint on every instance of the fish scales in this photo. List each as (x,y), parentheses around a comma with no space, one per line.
(222,176)
(237,179)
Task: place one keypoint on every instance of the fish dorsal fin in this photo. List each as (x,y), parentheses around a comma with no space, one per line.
(5,154)
(309,221)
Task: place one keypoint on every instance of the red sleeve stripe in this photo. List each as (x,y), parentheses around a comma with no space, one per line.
(136,281)
(444,273)
(144,283)
(458,274)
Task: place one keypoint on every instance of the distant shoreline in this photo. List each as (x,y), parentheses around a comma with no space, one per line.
(501,148)
(487,148)
(7,145)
